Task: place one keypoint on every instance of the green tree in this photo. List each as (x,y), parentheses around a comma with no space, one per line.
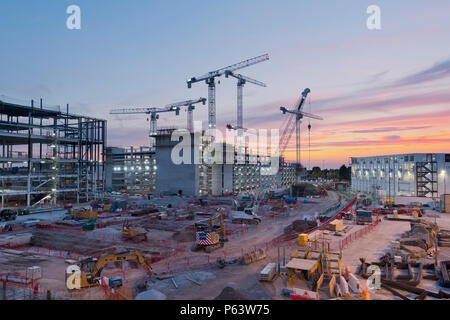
(344,172)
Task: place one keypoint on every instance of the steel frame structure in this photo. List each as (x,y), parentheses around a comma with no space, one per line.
(49,154)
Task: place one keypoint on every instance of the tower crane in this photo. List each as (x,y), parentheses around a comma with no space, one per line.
(154,116)
(294,121)
(241,81)
(190,104)
(210,77)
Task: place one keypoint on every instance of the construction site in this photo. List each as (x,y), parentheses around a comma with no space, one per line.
(83,220)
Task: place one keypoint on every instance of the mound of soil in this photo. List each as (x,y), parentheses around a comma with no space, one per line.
(305,189)
(299,226)
(229,293)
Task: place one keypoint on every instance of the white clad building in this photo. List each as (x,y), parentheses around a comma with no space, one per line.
(414,175)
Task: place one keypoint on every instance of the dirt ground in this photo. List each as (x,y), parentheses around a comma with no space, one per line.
(244,278)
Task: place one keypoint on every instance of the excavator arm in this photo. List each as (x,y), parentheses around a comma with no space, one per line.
(120,257)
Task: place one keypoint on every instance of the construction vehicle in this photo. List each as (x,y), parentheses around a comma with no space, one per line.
(210,237)
(91,268)
(8,214)
(248,216)
(134,234)
(348,215)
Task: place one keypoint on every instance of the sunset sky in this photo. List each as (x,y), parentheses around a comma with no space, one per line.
(379,92)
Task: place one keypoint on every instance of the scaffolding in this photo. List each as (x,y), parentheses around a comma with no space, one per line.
(49,154)
(427,177)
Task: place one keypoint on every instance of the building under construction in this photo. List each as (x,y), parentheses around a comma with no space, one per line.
(230,175)
(130,170)
(48,154)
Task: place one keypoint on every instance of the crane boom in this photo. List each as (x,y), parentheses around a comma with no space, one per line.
(190,104)
(153,112)
(293,123)
(244,78)
(138,110)
(186,103)
(209,79)
(233,67)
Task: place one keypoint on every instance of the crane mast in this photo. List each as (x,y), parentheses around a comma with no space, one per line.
(293,123)
(209,79)
(241,81)
(190,104)
(154,116)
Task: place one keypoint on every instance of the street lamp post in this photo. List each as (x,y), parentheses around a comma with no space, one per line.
(444,173)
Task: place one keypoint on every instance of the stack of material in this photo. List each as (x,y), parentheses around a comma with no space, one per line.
(268,273)
(305,189)
(67,241)
(419,239)
(299,226)
(336,225)
(253,256)
(444,238)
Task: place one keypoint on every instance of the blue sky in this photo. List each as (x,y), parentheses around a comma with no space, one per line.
(140,53)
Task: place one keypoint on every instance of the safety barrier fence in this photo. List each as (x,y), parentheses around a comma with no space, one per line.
(179,264)
(169,264)
(16,287)
(358,234)
(182,264)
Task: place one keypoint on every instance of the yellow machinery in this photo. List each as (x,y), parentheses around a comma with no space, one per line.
(135,234)
(302,239)
(91,268)
(389,201)
(83,214)
(210,237)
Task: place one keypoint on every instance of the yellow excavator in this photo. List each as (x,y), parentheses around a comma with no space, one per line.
(91,268)
(210,237)
(135,234)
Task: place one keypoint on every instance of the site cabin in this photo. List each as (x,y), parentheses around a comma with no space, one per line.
(363,216)
(268,273)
